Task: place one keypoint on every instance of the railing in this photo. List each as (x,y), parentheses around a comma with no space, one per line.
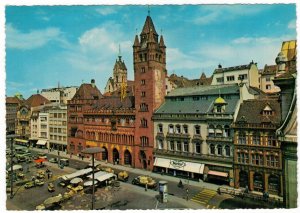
(178,135)
(219,138)
(193,155)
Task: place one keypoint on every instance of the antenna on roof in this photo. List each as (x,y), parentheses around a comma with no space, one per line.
(120,52)
(148,10)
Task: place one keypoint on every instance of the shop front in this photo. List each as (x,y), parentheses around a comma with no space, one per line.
(179,168)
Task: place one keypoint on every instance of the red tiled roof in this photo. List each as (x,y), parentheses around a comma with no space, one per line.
(87,92)
(37,100)
(251,111)
(12,100)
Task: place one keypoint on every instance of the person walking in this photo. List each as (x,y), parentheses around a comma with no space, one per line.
(187,194)
(146,187)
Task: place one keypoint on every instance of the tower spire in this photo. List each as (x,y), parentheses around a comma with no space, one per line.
(148,10)
(119,53)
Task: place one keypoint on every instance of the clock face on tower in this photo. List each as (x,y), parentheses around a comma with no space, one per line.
(23,111)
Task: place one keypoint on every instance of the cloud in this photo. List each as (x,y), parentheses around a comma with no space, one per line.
(105,10)
(292,24)
(31,40)
(225,12)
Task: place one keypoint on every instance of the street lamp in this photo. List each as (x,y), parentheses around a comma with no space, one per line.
(11,137)
(92,151)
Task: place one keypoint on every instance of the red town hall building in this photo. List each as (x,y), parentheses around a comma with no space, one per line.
(121,122)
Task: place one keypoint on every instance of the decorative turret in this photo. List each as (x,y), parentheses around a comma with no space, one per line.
(136,42)
(162,42)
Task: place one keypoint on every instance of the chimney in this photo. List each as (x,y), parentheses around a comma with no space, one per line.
(93,83)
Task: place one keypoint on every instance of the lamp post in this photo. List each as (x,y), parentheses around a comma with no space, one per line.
(11,138)
(92,151)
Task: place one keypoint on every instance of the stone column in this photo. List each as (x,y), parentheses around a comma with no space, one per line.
(266,181)
(237,178)
(191,148)
(251,173)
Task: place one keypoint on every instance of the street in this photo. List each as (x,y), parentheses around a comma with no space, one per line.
(127,196)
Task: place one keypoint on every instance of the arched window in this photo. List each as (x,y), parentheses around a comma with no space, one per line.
(160,144)
(178,129)
(171,129)
(227,150)
(212,149)
(219,150)
(197,148)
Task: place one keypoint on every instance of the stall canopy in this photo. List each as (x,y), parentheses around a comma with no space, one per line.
(180,165)
(90,183)
(77,174)
(41,142)
(76,180)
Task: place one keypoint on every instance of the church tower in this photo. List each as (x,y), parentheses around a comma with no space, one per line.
(149,60)
(119,72)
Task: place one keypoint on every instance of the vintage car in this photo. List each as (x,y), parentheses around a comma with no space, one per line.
(75,188)
(40,174)
(143,180)
(20,175)
(123,176)
(51,187)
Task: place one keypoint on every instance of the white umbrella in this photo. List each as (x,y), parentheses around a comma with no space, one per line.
(90,183)
(76,180)
(15,167)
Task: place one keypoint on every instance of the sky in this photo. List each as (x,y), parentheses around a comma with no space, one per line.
(69,45)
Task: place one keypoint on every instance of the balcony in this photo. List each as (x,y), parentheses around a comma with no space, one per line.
(178,135)
(219,139)
(254,126)
(193,155)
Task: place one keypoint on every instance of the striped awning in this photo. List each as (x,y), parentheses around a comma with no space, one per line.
(217,173)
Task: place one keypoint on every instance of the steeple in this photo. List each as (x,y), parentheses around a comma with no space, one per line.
(162,42)
(148,27)
(136,41)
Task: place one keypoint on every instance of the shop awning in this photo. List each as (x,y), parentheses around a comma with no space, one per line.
(217,173)
(41,142)
(21,141)
(194,167)
(179,165)
(162,162)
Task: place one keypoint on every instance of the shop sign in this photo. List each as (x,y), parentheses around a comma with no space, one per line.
(177,163)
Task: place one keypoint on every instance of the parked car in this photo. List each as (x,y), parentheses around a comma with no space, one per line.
(51,187)
(108,169)
(40,174)
(143,180)
(123,176)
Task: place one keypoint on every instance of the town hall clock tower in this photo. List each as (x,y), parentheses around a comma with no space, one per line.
(149,60)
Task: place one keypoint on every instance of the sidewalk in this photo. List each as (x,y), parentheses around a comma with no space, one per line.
(200,183)
(135,170)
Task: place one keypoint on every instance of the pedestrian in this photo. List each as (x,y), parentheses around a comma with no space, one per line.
(58,152)
(187,194)
(82,157)
(146,187)
(48,175)
(162,172)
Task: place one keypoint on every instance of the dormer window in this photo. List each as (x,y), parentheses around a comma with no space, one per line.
(267,110)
